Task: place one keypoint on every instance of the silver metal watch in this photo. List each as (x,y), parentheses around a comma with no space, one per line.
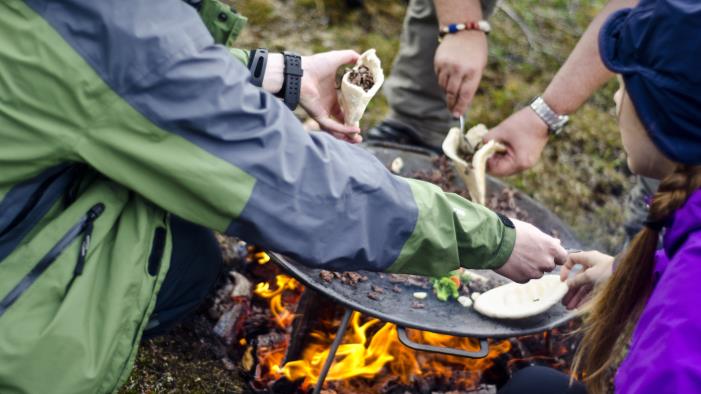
(555,121)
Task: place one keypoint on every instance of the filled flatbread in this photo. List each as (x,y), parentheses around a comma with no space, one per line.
(518,301)
(359,85)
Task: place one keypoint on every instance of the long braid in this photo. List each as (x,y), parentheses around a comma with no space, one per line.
(616,308)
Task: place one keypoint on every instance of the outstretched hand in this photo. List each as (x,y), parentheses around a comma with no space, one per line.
(596,268)
(534,254)
(459,62)
(319,96)
(524,134)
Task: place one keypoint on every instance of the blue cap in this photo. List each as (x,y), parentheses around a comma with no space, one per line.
(656,46)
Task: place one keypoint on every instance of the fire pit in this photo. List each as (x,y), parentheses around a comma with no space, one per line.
(389,298)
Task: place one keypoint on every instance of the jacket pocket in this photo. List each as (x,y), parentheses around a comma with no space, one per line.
(157,249)
(84,226)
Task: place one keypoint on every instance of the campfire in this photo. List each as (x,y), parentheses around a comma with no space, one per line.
(281,334)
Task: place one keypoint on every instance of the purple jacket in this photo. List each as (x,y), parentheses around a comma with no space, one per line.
(665,352)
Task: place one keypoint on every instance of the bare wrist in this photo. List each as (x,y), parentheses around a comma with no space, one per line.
(537,122)
(274,73)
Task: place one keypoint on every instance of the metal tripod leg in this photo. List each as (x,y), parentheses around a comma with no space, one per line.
(332,351)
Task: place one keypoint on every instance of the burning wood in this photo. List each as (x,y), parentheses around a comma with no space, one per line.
(231,307)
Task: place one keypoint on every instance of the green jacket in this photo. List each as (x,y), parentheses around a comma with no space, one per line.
(114,114)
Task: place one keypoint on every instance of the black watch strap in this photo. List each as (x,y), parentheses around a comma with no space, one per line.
(292,84)
(257,61)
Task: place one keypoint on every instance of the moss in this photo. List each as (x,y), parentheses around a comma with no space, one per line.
(187,360)
(259,12)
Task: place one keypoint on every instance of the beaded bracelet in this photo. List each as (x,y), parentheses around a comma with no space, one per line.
(482,26)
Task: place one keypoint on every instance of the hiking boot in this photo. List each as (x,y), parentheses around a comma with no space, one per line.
(399,133)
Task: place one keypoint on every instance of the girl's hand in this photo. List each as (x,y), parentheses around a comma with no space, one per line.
(319,96)
(596,268)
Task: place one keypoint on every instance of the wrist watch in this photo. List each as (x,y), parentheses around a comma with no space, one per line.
(292,85)
(555,121)
(257,60)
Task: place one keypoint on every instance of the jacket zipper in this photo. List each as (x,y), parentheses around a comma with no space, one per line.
(85,227)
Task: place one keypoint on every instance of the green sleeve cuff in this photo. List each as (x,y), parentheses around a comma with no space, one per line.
(241,55)
(503,251)
(450,232)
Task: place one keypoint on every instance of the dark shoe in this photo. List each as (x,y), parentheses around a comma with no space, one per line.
(398,133)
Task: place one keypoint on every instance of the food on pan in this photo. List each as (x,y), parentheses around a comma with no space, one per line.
(517,301)
(420,295)
(465,301)
(446,287)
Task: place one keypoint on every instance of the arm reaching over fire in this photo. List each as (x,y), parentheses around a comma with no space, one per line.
(233,158)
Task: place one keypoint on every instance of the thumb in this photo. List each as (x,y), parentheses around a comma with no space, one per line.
(582,278)
(346,56)
(503,163)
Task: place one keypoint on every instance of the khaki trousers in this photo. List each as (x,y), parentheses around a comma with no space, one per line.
(412,89)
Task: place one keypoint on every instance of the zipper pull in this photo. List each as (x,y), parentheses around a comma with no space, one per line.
(90,217)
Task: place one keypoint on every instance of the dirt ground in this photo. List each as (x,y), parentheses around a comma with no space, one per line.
(582,175)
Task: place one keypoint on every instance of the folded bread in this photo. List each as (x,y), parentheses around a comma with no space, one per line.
(470,156)
(359,85)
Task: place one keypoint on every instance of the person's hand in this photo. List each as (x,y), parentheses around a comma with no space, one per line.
(596,268)
(534,254)
(524,134)
(458,63)
(319,96)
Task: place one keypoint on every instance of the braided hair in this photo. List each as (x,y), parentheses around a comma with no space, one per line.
(617,307)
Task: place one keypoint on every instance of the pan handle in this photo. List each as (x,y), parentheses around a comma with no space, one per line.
(404,339)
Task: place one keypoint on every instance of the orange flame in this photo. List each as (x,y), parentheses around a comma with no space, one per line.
(257,255)
(283,317)
(261,258)
(363,357)
(369,348)
(354,358)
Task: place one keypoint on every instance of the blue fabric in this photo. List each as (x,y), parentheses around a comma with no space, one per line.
(656,47)
(318,200)
(27,202)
